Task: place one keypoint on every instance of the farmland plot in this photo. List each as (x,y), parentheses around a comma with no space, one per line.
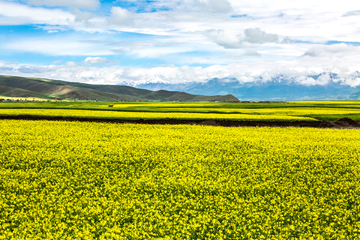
(80,180)
(145,115)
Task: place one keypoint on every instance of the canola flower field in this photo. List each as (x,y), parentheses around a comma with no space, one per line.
(82,180)
(287,111)
(146,115)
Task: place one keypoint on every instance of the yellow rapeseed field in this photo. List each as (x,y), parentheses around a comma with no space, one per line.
(80,180)
(143,115)
(274,111)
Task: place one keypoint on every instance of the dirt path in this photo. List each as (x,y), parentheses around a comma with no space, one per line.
(344,123)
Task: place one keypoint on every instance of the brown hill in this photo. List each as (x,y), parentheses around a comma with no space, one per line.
(45,88)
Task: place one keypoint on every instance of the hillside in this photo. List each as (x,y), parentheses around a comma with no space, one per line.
(50,89)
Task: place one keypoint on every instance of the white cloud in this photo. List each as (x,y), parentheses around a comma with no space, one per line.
(89,4)
(71,64)
(219,37)
(300,71)
(82,16)
(353,82)
(255,35)
(121,16)
(322,80)
(213,5)
(210,6)
(251,53)
(95,60)
(56,46)
(17,14)
(336,50)
(352,13)
(249,38)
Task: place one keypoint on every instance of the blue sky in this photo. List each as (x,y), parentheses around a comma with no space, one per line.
(175,41)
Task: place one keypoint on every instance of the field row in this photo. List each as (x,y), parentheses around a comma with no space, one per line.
(145,115)
(80,180)
(320,110)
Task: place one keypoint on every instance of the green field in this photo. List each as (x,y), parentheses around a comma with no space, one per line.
(81,180)
(24,98)
(307,110)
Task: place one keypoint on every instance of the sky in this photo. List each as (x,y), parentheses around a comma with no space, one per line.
(180,41)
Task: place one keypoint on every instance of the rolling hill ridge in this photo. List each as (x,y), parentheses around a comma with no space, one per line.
(13,86)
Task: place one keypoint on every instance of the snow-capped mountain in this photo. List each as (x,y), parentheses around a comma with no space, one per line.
(325,86)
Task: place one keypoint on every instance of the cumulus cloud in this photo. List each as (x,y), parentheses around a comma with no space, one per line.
(219,37)
(336,50)
(251,53)
(82,16)
(121,16)
(88,4)
(99,60)
(353,82)
(312,53)
(17,14)
(53,29)
(246,54)
(255,35)
(30,70)
(287,40)
(71,64)
(12,13)
(249,38)
(321,80)
(352,13)
(95,60)
(204,6)
(214,5)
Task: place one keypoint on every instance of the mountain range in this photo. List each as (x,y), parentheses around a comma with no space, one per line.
(280,88)
(277,88)
(13,86)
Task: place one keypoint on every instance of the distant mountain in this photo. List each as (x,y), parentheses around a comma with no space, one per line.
(50,89)
(279,88)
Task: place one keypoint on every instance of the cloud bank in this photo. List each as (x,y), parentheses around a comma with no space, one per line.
(87,71)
